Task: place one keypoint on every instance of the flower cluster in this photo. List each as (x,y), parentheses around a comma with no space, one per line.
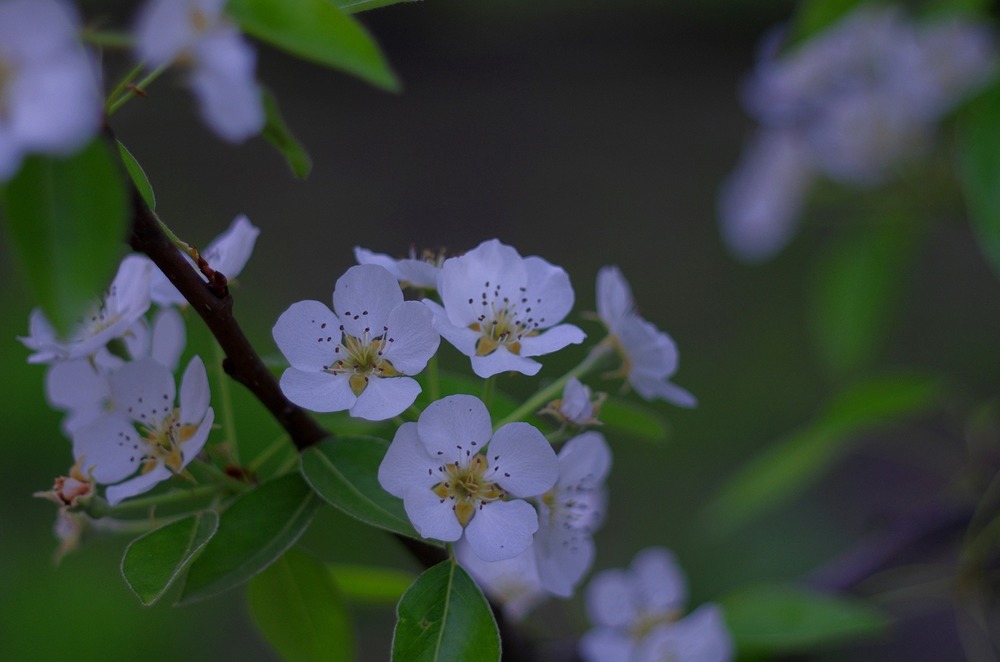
(850,104)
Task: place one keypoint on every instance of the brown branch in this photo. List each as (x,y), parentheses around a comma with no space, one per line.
(215,306)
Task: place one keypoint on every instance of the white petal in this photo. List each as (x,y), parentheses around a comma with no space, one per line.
(365,256)
(563,558)
(663,390)
(307,334)
(109,448)
(37,29)
(363,298)
(606,645)
(193,445)
(385,397)
(318,391)
(521,460)
(195,393)
(576,405)
(129,291)
(418,273)
(169,337)
(144,391)
(658,580)
(548,291)
(41,338)
(223,81)
(611,599)
(584,462)
(412,339)
(699,637)
(406,464)
(164,29)
(650,351)
(501,529)
(614,297)
(501,360)
(138,485)
(552,340)
(431,516)
(72,385)
(463,338)
(231,250)
(454,424)
(512,582)
(466,279)
(137,339)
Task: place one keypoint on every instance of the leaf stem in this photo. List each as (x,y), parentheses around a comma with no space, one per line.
(177,496)
(226,398)
(433,379)
(108,39)
(132,91)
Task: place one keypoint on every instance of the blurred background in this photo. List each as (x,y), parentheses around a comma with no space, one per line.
(587,133)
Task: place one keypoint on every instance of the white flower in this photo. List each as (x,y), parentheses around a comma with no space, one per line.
(577,406)
(358,356)
(421,273)
(228,254)
(456,477)
(126,301)
(511,582)
(570,512)
(146,432)
(499,308)
(50,99)
(636,614)
(222,63)
(649,356)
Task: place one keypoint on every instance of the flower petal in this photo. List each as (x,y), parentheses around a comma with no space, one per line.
(491,271)
(614,297)
(431,515)
(658,581)
(521,460)
(231,250)
(385,397)
(138,485)
(76,384)
(363,298)
(307,334)
(223,81)
(463,338)
(563,557)
(501,360)
(606,645)
(552,340)
(193,445)
(454,424)
(584,462)
(318,391)
(548,291)
(412,335)
(701,636)
(143,390)
(169,337)
(195,395)
(611,599)
(109,448)
(406,464)
(501,529)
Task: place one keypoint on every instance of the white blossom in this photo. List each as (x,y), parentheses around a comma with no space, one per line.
(457,478)
(649,356)
(578,406)
(513,582)
(146,432)
(419,272)
(358,356)
(228,254)
(50,99)
(636,614)
(125,302)
(501,309)
(198,34)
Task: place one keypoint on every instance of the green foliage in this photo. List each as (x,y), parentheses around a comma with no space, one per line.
(315,30)
(138,176)
(300,610)
(444,616)
(355,6)
(856,289)
(344,471)
(67,222)
(152,561)
(979,169)
(775,619)
(368,585)
(254,530)
(634,420)
(786,466)
(278,134)
(814,16)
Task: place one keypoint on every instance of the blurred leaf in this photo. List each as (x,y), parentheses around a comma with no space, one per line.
(979,170)
(344,471)
(253,531)
(138,176)
(315,30)
(278,134)
(450,383)
(785,467)
(67,222)
(300,610)
(856,289)
(776,619)
(937,7)
(152,561)
(633,420)
(355,6)
(814,16)
(369,585)
(444,616)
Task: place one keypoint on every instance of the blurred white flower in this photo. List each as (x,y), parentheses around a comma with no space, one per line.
(500,308)
(451,487)
(197,33)
(50,98)
(578,406)
(358,356)
(636,614)
(513,582)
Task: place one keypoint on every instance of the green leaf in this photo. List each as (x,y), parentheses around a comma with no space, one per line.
(344,471)
(776,619)
(67,222)
(355,6)
(856,289)
(979,170)
(278,134)
(444,616)
(814,16)
(787,466)
(301,611)
(368,585)
(633,420)
(254,531)
(138,176)
(152,561)
(315,30)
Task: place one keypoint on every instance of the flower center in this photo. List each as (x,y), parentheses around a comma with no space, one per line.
(165,441)
(468,487)
(361,358)
(503,321)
